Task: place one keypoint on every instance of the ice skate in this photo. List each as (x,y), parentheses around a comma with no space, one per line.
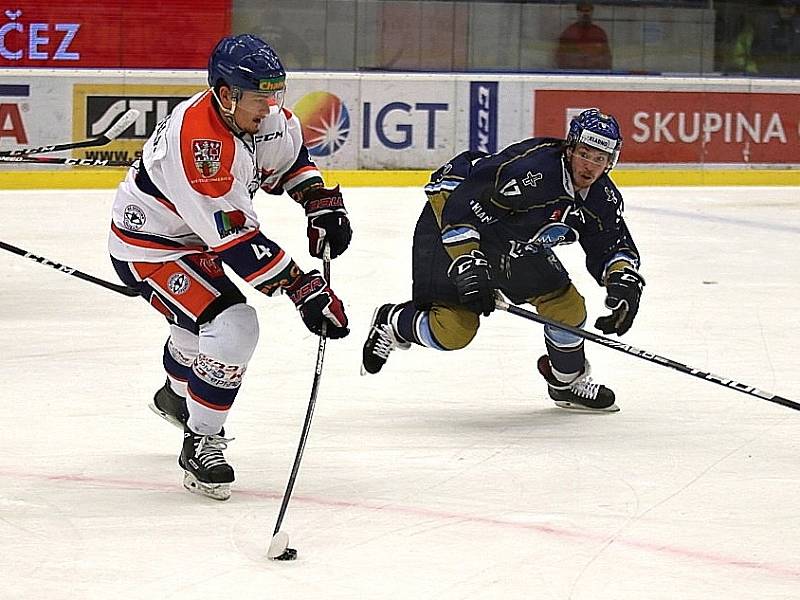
(381,340)
(579,394)
(170,406)
(205,470)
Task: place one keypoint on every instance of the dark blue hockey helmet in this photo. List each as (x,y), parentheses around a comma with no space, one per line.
(246,63)
(598,130)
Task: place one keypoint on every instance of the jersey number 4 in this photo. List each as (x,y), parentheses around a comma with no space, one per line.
(260,250)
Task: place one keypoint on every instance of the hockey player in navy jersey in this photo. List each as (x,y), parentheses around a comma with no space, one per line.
(490,224)
(188,207)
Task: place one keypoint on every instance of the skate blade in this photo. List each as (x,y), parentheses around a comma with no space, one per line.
(583,408)
(215,491)
(166,416)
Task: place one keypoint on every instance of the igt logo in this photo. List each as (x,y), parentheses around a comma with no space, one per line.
(37,41)
(394,124)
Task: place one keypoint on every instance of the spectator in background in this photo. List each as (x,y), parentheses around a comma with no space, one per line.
(736,54)
(584,45)
(776,44)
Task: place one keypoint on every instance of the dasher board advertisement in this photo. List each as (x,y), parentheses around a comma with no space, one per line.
(111,34)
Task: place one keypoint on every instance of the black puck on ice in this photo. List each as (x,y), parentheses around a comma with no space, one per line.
(289,554)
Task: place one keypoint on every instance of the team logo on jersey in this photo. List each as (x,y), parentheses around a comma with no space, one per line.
(229,223)
(178,283)
(133,217)
(532,178)
(207,155)
(326,122)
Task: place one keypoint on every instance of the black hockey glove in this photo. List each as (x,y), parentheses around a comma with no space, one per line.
(327,221)
(318,304)
(623,290)
(470,274)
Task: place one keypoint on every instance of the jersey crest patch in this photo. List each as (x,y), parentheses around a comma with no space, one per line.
(178,283)
(207,155)
(134,217)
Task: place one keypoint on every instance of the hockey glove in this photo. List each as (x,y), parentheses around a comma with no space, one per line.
(470,274)
(318,304)
(327,221)
(623,290)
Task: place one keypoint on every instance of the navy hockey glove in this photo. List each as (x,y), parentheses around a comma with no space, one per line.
(327,221)
(470,274)
(318,304)
(623,290)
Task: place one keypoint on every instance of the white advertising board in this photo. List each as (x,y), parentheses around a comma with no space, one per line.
(418,121)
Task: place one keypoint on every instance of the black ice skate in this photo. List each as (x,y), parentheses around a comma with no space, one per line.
(381,340)
(170,406)
(205,470)
(579,394)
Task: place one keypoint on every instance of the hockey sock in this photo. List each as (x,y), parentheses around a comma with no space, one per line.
(180,351)
(412,325)
(226,344)
(566,353)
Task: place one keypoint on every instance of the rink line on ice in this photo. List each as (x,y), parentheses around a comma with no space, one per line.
(575,535)
(702,216)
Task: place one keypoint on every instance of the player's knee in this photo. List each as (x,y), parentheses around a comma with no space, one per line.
(231,336)
(565,306)
(453,327)
(182,343)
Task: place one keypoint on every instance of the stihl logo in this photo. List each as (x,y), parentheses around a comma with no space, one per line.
(102,111)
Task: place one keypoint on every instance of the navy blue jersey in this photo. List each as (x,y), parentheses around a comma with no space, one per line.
(501,203)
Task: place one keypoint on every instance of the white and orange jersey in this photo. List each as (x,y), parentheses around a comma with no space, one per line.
(193,191)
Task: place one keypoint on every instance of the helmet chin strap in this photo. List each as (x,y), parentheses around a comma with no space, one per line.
(227,113)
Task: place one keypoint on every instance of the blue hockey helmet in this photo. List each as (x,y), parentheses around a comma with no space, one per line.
(598,130)
(246,63)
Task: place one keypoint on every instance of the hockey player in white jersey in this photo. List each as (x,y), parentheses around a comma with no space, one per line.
(187,207)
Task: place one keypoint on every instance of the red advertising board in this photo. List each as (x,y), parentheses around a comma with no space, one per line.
(112,34)
(685,127)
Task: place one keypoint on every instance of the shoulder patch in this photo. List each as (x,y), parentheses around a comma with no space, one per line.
(207,150)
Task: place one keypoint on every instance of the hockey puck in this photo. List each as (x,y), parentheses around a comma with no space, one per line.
(289,554)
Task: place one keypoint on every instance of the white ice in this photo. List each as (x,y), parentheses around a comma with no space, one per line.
(446,476)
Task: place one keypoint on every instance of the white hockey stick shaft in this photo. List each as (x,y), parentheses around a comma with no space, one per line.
(113,132)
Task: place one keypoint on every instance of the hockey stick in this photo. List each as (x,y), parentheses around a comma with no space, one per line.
(120,289)
(501,304)
(113,132)
(279,546)
(76,162)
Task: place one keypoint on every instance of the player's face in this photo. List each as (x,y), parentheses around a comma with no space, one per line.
(253,107)
(587,164)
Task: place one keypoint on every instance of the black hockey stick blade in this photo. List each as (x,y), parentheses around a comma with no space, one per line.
(120,289)
(113,132)
(502,304)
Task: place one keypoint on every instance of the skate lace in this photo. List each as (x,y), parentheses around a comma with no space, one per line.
(384,341)
(585,388)
(209,450)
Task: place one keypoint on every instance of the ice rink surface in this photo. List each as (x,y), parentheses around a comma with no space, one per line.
(447,476)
